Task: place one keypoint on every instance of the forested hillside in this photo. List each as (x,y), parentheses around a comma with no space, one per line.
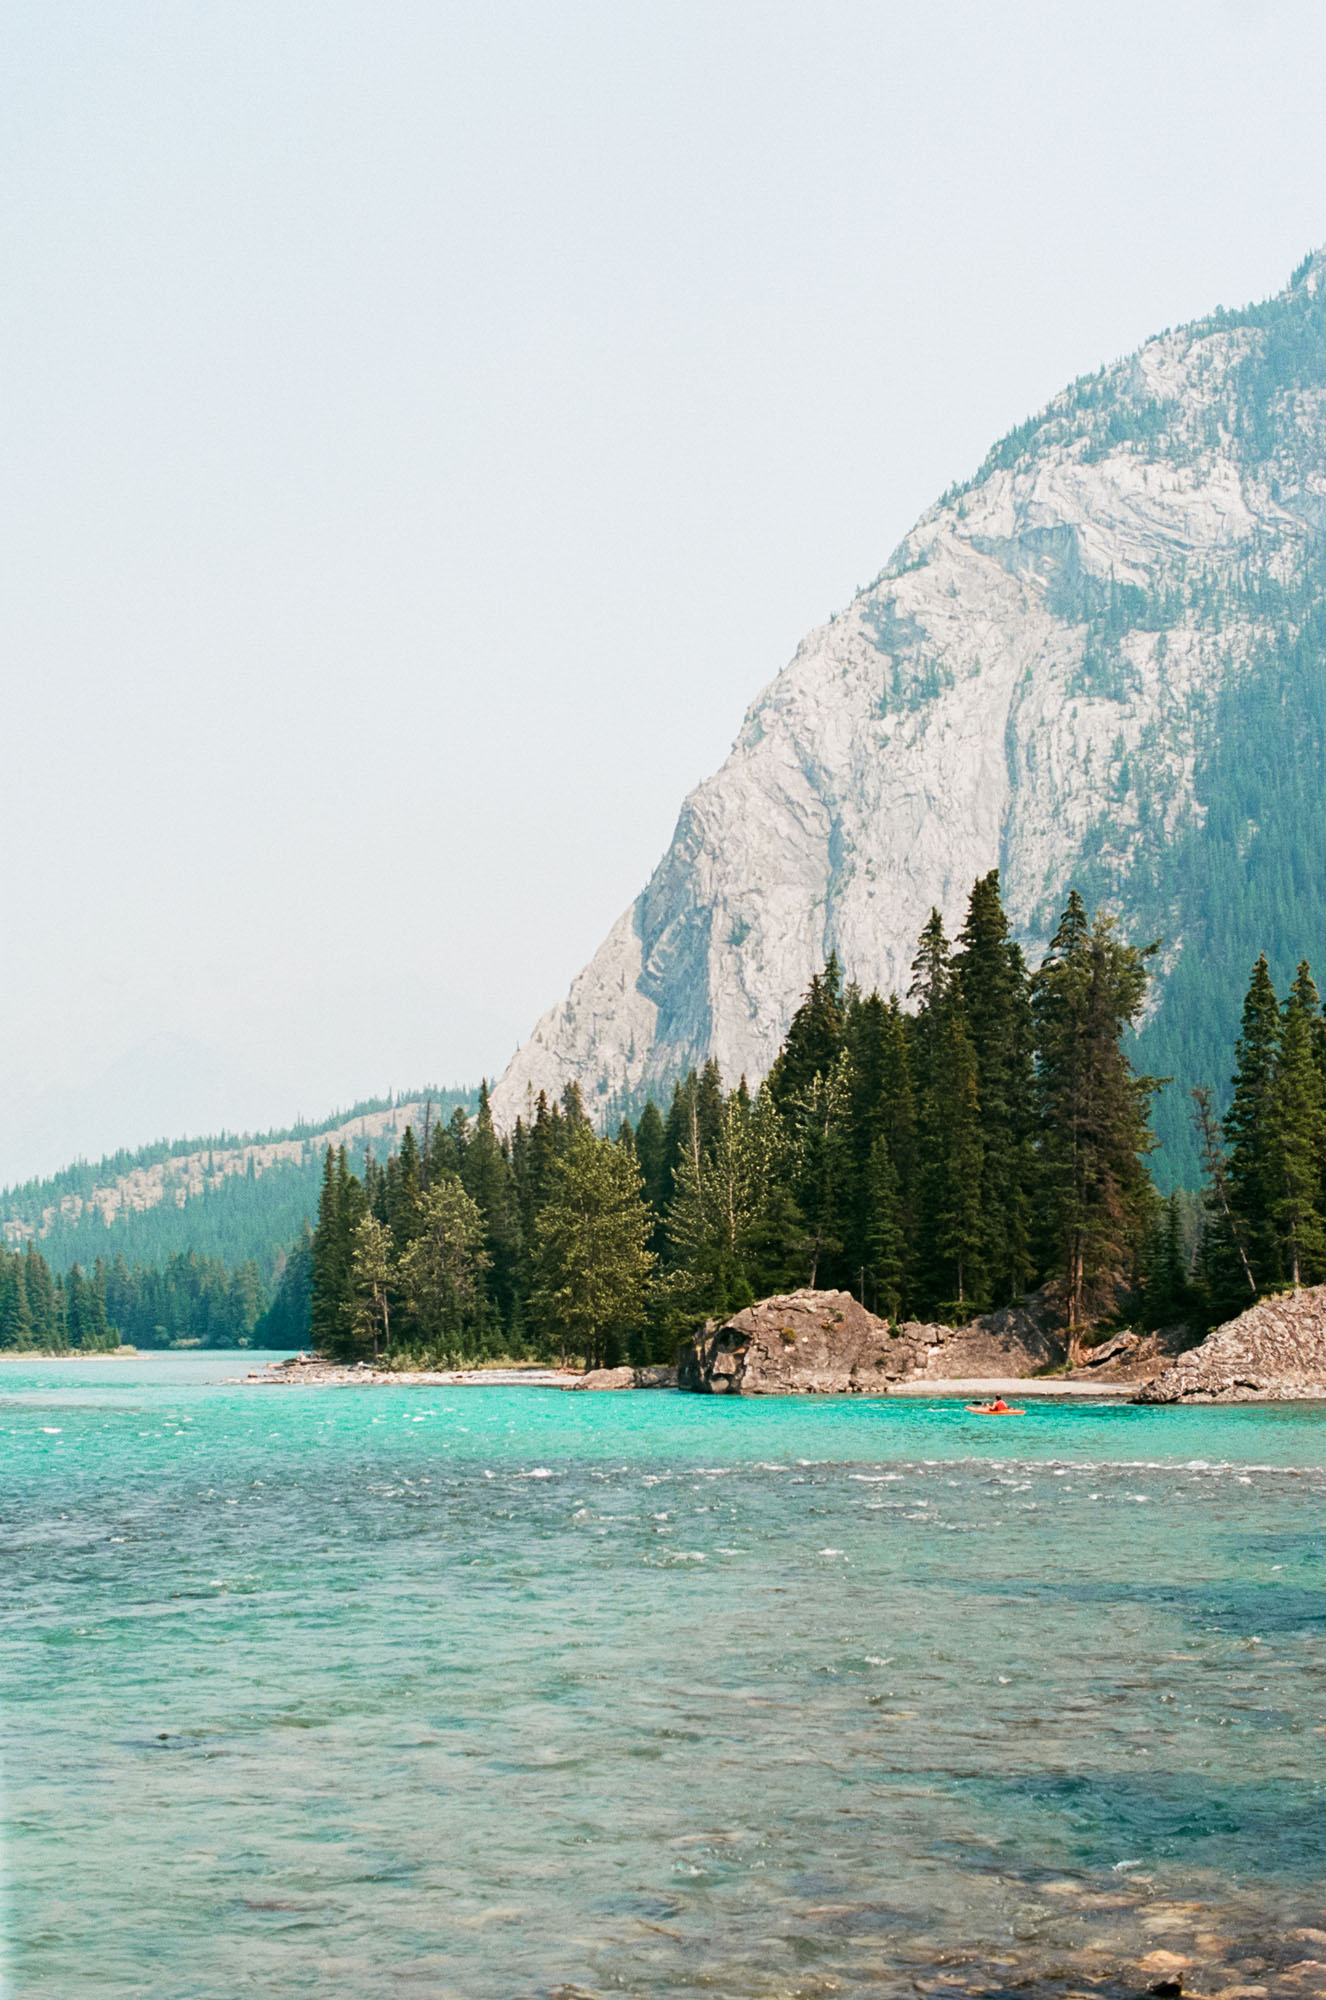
(185,1242)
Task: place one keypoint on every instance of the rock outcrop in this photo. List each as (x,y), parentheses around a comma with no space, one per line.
(1274,1352)
(1067,670)
(826,1343)
(626,1378)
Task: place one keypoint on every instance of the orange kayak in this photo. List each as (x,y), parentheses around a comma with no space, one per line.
(984,1410)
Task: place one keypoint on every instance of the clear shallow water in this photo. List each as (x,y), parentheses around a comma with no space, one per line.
(500,1692)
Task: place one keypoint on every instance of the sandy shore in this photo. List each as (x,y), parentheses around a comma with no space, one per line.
(325,1374)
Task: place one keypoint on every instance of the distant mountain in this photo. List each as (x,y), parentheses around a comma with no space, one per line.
(234,1197)
(1101,662)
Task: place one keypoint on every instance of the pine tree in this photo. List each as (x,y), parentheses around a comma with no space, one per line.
(15,1317)
(813,1041)
(340,1206)
(817,1120)
(488,1180)
(885,1245)
(591,1250)
(285,1323)
(949,1159)
(441,1273)
(404,1185)
(39,1293)
(1249,1125)
(1297,1108)
(1088,993)
(991,977)
(371,1278)
(881,1112)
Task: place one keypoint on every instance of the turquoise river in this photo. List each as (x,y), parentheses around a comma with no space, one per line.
(504,1692)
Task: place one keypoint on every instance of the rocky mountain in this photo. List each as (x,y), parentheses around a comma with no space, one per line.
(1099,662)
(235,1197)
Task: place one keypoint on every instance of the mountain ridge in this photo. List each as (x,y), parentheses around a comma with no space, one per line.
(205,1194)
(1072,668)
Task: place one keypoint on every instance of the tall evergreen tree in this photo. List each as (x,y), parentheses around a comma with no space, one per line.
(991,977)
(592,1258)
(488,1180)
(1250,1121)
(441,1273)
(813,1041)
(371,1278)
(1298,1137)
(1087,994)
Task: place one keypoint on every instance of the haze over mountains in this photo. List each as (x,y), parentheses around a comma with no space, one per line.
(1097,663)
(238,1197)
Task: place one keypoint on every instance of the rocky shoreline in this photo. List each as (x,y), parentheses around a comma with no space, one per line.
(1273,1353)
(827,1344)
(822,1343)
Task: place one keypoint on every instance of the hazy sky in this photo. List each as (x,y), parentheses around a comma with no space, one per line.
(426,427)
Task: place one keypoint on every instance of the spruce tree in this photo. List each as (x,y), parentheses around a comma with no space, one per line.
(488,1180)
(39,1293)
(15,1317)
(885,1245)
(813,1041)
(1250,1122)
(1297,1110)
(371,1281)
(949,1275)
(1095,1136)
(592,1257)
(650,1147)
(441,1274)
(991,977)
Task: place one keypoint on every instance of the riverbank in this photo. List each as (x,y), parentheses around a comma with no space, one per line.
(302,1373)
(299,1372)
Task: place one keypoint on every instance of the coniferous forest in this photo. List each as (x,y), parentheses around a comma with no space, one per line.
(938,1158)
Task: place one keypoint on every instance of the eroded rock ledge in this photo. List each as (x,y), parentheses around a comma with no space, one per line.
(1273,1353)
(826,1343)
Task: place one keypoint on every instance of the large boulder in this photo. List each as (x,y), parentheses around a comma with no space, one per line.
(626,1378)
(825,1343)
(802,1342)
(1274,1352)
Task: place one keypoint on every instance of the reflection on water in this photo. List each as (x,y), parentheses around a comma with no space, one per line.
(504,1692)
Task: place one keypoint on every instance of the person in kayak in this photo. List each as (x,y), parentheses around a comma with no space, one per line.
(997,1408)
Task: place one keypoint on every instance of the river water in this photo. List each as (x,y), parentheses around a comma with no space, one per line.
(509,1692)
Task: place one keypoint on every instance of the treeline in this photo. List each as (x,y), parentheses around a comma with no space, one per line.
(936,1161)
(51,1314)
(1265,1162)
(190,1300)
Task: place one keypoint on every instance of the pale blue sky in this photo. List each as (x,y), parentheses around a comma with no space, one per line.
(425,427)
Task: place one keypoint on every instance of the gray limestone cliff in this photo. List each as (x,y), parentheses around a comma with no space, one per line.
(1097,663)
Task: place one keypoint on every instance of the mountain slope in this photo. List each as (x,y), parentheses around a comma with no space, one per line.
(1099,662)
(230,1197)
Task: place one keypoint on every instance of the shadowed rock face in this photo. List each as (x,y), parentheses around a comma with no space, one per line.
(825,1343)
(1274,1352)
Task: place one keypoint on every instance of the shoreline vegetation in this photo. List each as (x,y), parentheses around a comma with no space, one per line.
(313,1373)
(984,1146)
(982,1149)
